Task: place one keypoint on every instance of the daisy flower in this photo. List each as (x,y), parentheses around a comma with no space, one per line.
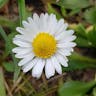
(43,43)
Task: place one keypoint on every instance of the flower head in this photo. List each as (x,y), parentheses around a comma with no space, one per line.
(43,42)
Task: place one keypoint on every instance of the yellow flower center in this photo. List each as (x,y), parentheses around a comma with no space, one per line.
(44,45)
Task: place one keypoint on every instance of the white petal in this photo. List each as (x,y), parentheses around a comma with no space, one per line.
(26,24)
(30,20)
(23,56)
(71,38)
(60,36)
(34,28)
(20,30)
(36,17)
(20,50)
(64,52)
(64,34)
(25,60)
(67,39)
(59,24)
(17,49)
(24,37)
(30,65)
(56,65)
(52,23)
(43,22)
(21,43)
(38,68)
(62,28)
(36,20)
(62,60)
(66,45)
(49,69)
(69,32)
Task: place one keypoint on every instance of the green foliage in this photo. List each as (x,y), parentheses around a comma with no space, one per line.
(63,11)
(74,11)
(9,66)
(3,34)
(80,31)
(7,49)
(77,61)
(74,4)
(8,23)
(90,15)
(75,88)
(81,40)
(92,36)
(50,10)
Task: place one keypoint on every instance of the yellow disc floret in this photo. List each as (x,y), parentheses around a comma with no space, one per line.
(44,45)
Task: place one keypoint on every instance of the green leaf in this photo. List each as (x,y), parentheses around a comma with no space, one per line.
(77,65)
(92,36)
(82,42)
(74,4)
(17,69)
(74,11)
(80,31)
(8,23)
(3,2)
(77,61)
(3,34)
(50,10)
(2,86)
(63,11)
(9,40)
(9,66)
(90,15)
(75,88)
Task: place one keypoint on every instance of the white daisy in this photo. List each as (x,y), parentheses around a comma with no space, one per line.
(43,42)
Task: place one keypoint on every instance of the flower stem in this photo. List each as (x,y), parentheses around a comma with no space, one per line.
(22,13)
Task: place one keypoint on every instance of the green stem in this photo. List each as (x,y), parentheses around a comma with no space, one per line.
(22,13)
(3,34)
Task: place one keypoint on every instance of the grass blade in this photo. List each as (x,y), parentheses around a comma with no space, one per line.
(2,87)
(22,14)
